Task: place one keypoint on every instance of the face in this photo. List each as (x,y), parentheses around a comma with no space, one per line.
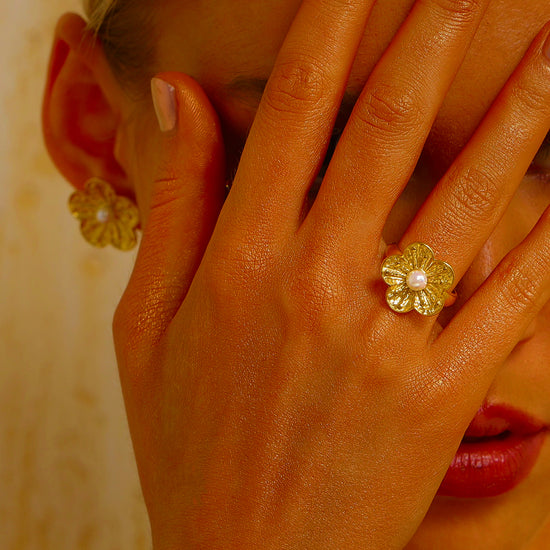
(230,47)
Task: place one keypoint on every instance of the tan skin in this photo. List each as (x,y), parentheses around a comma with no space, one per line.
(274,400)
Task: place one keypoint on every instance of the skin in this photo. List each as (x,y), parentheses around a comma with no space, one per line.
(281,419)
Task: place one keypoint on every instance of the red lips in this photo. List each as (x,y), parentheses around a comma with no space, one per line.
(498,451)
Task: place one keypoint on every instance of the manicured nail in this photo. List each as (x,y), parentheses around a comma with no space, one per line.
(164,100)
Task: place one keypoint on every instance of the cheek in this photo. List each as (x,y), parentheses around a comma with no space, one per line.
(526,208)
(236,118)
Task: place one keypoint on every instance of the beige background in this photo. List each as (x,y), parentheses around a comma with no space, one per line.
(67,476)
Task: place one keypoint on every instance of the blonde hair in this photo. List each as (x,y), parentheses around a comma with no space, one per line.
(97,11)
(127,32)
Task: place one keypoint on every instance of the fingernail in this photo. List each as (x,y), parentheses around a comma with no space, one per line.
(164,100)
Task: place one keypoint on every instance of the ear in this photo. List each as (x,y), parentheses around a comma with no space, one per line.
(82,109)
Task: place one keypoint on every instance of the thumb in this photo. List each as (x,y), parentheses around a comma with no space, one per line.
(187,196)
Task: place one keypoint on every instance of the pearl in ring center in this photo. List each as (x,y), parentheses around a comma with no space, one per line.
(417,280)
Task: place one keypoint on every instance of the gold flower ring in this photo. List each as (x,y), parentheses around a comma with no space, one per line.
(418,281)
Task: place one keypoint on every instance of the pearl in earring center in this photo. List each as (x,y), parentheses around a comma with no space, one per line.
(103,215)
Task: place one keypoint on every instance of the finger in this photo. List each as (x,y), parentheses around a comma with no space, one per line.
(384,137)
(463,210)
(488,327)
(186,198)
(294,121)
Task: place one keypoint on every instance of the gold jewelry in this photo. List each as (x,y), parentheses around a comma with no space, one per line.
(105,218)
(228,185)
(417,281)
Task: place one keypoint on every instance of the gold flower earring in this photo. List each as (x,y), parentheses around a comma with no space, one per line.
(105,218)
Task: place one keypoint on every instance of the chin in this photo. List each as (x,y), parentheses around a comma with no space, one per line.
(518,518)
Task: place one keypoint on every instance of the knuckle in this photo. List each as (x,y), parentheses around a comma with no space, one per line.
(460,11)
(474,194)
(296,85)
(529,99)
(519,282)
(523,290)
(339,4)
(388,109)
(140,319)
(126,325)
(131,334)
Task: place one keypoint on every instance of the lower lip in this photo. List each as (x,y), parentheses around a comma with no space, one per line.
(491,467)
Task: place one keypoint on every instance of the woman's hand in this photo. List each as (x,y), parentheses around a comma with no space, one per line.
(274,399)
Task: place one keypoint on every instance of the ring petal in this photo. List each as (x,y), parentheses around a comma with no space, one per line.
(395,270)
(400,298)
(419,256)
(429,301)
(441,274)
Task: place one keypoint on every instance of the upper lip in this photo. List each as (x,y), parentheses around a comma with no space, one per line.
(498,419)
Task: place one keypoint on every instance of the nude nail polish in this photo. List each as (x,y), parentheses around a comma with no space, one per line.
(164,100)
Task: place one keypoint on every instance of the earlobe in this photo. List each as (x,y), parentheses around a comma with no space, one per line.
(82,106)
